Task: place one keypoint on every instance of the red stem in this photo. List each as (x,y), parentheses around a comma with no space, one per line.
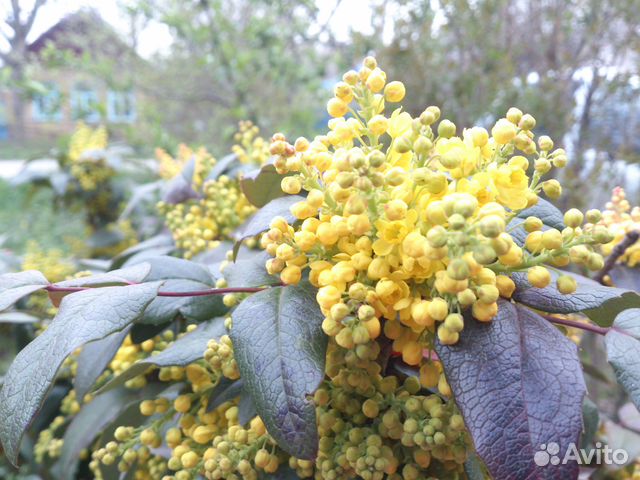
(572,323)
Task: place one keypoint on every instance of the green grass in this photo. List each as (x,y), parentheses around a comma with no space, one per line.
(27,214)
(11,150)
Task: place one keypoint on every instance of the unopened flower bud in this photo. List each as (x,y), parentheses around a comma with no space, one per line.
(446,129)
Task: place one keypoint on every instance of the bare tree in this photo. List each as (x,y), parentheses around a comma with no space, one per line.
(20,23)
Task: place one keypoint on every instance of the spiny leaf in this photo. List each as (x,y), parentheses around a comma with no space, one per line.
(518,383)
(185,350)
(14,286)
(280,349)
(83,317)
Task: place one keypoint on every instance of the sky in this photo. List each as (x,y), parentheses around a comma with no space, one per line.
(349,15)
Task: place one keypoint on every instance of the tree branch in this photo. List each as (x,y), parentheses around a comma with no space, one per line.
(629,239)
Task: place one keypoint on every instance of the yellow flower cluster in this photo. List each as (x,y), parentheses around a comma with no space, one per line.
(250,147)
(220,207)
(200,224)
(53,263)
(170,166)
(203,441)
(620,218)
(406,225)
(90,170)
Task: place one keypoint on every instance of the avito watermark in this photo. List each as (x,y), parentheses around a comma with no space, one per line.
(602,454)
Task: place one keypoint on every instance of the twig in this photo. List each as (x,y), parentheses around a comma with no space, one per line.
(572,323)
(629,239)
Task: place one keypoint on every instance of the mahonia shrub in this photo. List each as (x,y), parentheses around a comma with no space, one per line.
(215,205)
(409,312)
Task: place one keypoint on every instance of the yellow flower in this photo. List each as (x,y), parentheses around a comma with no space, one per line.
(460,158)
(399,123)
(391,233)
(511,183)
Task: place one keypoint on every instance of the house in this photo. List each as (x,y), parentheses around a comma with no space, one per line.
(78,75)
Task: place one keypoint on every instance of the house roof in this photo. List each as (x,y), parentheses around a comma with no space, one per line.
(81,32)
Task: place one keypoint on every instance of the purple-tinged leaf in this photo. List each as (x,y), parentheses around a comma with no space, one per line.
(518,383)
(601,304)
(280,349)
(83,317)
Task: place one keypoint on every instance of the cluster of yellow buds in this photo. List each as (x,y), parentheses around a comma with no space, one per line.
(53,263)
(200,223)
(203,441)
(406,225)
(250,147)
(90,170)
(621,219)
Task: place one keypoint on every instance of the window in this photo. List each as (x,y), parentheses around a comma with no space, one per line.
(121,107)
(46,106)
(84,104)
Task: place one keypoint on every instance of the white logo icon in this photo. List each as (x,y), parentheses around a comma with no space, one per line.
(549,454)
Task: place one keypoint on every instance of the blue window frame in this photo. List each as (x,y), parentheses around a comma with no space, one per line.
(47,106)
(84,104)
(121,107)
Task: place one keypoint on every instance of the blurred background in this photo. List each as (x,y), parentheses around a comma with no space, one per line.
(160,72)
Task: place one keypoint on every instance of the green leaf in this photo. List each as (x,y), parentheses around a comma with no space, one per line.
(141,332)
(162,242)
(94,417)
(165,268)
(591,420)
(246,409)
(280,349)
(623,352)
(260,221)
(284,473)
(262,185)
(179,189)
(250,272)
(14,316)
(518,384)
(221,166)
(14,286)
(83,317)
(123,276)
(185,350)
(104,238)
(225,391)
(94,358)
(197,308)
(601,304)
(473,468)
